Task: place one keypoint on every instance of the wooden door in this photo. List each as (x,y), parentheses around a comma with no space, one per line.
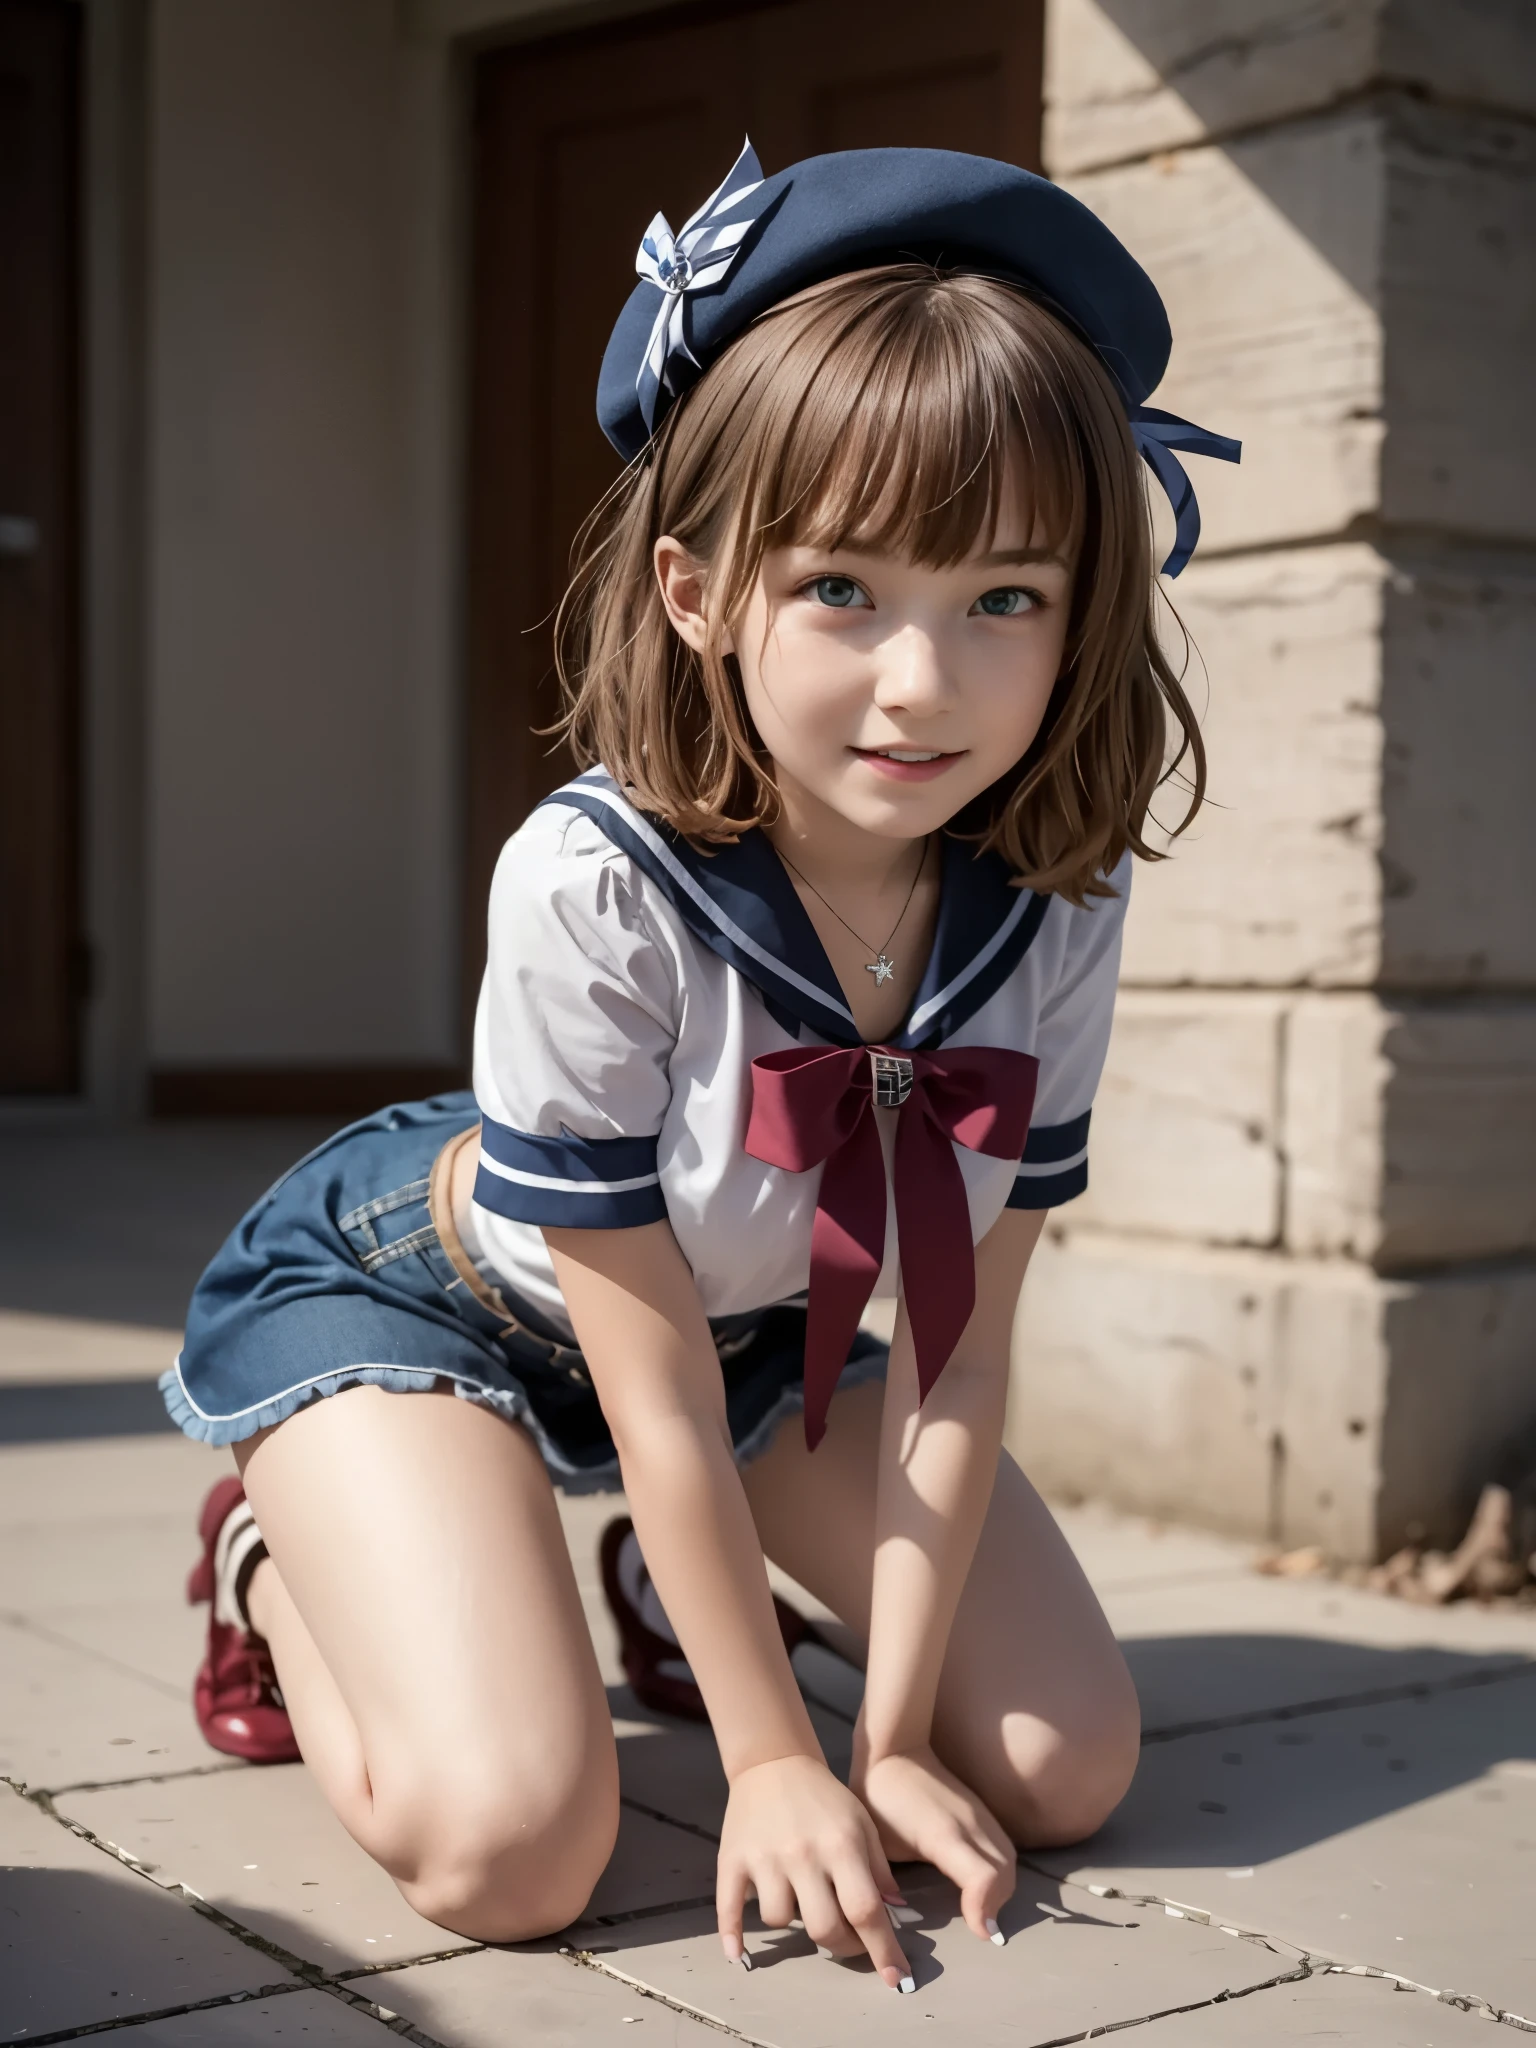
(578,140)
(40,951)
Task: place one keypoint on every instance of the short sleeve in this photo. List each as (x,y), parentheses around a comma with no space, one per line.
(1071,1039)
(574,1033)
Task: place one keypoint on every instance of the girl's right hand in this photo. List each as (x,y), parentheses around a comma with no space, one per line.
(806,1846)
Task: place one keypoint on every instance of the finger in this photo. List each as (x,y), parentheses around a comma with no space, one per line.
(880,1868)
(866,1913)
(984,1890)
(775,1899)
(822,1916)
(730,1903)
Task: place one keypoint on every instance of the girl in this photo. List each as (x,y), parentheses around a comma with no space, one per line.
(798,996)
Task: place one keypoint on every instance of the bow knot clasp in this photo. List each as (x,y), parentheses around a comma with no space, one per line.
(890,1079)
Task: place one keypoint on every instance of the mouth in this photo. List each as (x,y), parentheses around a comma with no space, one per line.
(907,764)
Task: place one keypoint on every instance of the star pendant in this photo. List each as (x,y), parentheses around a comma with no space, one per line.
(882,969)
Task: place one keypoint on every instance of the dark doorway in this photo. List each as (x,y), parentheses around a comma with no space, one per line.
(41,982)
(578,140)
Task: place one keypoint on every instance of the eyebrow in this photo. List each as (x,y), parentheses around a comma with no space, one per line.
(1005,558)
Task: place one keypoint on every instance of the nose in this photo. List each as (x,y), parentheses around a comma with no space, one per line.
(912,675)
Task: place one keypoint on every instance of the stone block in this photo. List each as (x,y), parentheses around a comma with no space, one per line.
(1458,299)
(1186,1137)
(1127,78)
(1410,1130)
(1278,880)
(1459,828)
(1363,1835)
(1478,52)
(1268,255)
(1460,1397)
(1153,1375)
(1287,1400)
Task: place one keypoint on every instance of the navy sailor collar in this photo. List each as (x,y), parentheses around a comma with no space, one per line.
(740,901)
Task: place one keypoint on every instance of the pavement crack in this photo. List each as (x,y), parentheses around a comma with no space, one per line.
(60,1641)
(304,1976)
(353,1971)
(648,1912)
(585,1960)
(655,1813)
(1316,1961)
(1375,1696)
(1228,1997)
(147,1778)
(123,2021)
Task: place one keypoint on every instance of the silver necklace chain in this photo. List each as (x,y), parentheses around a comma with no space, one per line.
(882,967)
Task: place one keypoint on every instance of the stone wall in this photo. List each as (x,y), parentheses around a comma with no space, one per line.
(1299,1300)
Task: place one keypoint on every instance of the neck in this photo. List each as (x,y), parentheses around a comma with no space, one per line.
(829,849)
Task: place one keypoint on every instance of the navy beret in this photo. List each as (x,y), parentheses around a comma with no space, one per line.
(757,241)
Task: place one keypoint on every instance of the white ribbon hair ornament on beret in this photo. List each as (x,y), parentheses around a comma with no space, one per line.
(698,255)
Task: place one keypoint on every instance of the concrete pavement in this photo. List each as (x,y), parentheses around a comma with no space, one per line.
(1332,1835)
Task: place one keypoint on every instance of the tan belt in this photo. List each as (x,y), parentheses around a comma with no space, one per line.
(440,1209)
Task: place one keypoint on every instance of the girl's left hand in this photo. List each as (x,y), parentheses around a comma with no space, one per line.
(925,1815)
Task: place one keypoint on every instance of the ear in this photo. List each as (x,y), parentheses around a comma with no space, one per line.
(681,581)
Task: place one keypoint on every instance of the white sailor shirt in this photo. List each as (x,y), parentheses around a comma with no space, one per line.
(633,978)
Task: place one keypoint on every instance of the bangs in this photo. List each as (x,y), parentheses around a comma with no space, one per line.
(910,415)
(907,411)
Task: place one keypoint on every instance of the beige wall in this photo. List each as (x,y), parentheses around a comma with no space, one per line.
(1300,1296)
(301,894)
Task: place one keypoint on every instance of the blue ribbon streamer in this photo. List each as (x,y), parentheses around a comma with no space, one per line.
(1157,434)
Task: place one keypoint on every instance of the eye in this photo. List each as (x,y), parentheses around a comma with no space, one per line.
(841,593)
(1005,603)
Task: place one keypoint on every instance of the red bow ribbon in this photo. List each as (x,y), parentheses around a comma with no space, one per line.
(816,1105)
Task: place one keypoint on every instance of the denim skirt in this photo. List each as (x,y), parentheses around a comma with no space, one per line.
(338,1278)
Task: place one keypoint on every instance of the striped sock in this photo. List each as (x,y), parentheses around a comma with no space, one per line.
(237,1551)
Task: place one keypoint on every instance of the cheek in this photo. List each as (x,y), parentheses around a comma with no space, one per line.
(1012,707)
(797,691)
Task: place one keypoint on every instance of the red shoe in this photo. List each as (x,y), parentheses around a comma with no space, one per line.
(658,1673)
(235,1695)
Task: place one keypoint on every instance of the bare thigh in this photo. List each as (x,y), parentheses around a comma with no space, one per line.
(430,1642)
(1036,1710)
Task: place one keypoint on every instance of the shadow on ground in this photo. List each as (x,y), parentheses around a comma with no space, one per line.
(80,1409)
(78,1950)
(116,1222)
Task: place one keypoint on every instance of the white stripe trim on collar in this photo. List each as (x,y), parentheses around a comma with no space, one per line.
(935,1003)
(712,910)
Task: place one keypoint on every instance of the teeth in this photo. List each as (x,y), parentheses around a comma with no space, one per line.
(895,754)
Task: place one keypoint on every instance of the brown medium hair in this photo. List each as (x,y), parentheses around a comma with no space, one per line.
(880,409)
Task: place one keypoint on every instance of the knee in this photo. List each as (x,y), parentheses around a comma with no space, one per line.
(502,1869)
(1063,1783)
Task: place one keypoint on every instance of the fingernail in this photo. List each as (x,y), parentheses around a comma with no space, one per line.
(746,1960)
(998,1937)
(907,1986)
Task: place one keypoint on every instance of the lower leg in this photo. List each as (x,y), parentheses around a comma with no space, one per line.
(429,1639)
(326,1732)
(1036,1711)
